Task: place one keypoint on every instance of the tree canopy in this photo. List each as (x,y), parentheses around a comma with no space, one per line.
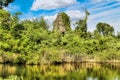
(81,25)
(4,3)
(4,19)
(105,29)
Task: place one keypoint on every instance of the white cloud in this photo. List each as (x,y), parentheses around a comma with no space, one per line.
(50,20)
(50,17)
(104,7)
(75,14)
(97,1)
(107,13)
(51,4)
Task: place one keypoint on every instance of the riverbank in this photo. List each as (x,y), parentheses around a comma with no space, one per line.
(99,61)
(22,59)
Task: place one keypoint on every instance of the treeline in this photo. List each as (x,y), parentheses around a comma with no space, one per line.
(31,41)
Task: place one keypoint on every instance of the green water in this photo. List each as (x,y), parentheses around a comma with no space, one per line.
(79,71)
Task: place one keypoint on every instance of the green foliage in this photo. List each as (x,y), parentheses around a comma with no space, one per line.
(4,19)
(105,29)
(13,77)
(31,42)
(17,30)
(68,71)
(66,21)
(5,3)
(15,19)
(81,28)
(40,24)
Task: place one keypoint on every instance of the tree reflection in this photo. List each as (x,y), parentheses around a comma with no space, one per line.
(79,71)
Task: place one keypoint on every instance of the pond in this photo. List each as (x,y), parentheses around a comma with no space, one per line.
(78,71)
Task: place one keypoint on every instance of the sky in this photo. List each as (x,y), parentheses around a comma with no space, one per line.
(107,11)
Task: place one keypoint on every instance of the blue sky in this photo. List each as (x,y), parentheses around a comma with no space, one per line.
(100,10)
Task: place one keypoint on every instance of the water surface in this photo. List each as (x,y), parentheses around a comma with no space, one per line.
(79,71)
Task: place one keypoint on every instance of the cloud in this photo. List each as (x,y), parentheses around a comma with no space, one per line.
(110,16)
(75,14)
(104,7)
(97,1)
(50,20)
(105,13)
(51,4)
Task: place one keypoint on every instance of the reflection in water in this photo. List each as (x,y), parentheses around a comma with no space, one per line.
(79,71)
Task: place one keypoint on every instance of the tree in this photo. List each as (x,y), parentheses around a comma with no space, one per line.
(17,30)
(82,25)
(4,3)
(96,34)
(4,19)
(105,29)
(43,24)
(15,19)
(40,24)
(118,35)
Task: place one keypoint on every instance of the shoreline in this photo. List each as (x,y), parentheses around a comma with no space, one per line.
(100,61)
(74,62)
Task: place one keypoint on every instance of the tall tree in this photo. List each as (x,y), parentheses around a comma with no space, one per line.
(15,19)
(4,3)
(82,25)
(40,24)
(43,24)
(105,29)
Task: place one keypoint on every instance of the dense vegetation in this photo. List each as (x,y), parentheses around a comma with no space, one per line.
(31,41)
